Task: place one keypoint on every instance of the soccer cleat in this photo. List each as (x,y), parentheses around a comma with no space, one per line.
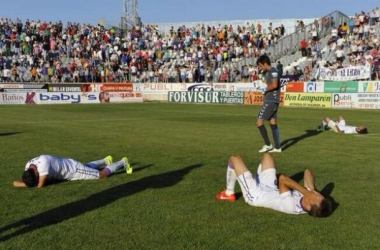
(266,148)
(127,166)
(108,160)
(319,129)
(222,196)
(275,150)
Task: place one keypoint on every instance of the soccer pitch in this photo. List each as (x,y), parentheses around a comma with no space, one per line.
(179,154)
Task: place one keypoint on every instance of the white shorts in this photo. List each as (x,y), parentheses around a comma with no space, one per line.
(333,125)
(252,187)
(85,173)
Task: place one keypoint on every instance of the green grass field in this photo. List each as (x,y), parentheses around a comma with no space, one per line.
(179,154)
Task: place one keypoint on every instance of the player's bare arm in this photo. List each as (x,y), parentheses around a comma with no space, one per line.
(41,181)
(309,180)
(19,184)
(285,184)
(338,129)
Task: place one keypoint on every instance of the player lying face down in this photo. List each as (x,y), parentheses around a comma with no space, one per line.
(43,168)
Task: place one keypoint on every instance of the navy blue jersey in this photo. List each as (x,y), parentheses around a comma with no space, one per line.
(273,95)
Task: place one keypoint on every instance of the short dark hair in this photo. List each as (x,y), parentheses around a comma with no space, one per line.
(263,59)
(363,131)
(29,178)
(323,210)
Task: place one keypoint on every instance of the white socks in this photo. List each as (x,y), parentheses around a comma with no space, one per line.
(259,169)
(115,166)
(96,164)
(231,179)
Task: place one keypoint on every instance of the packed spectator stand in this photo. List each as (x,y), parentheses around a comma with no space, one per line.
(48,52)
(39,51)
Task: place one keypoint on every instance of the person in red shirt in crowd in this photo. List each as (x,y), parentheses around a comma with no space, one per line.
(303,46)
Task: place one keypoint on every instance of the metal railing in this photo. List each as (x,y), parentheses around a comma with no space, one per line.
(290,44)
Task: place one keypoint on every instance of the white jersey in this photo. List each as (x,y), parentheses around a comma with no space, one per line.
(345,129)
(288,202)
(55,167)
(262,191)
(348,129)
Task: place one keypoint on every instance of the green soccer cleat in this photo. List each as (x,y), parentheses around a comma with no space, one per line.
(127,166)
(108,160)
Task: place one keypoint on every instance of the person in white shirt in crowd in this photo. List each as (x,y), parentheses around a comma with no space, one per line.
(339,54)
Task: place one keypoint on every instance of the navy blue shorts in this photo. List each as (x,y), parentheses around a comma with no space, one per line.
(268,111)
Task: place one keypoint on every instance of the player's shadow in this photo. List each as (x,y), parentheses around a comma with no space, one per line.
(326,192)
(8,134)
(292,141)
(135,170)
(94,201)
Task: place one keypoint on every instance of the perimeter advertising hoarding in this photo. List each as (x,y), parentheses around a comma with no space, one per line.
(257,98)
(159,88)
(206,97)
(341,87)
(88,97)
(66,88)
(368,101)
(117,87)
(108,87)
(22,85)
(18,98)
(344,100)
(314,87)
(314,100)
(369,87)
(286,79)
(295,87)
(11,86)
(356,100)
(25,90)
(69,97)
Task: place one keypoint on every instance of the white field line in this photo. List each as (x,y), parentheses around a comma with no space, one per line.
(371,136)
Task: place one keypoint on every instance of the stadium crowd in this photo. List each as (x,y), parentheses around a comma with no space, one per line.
(41,51)
(353,43)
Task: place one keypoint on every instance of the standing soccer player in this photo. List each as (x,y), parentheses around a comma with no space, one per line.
(270,106)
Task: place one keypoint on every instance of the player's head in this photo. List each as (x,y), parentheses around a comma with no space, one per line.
(30,177)
(264,62)
(361,130)
(316,205)
(323,209)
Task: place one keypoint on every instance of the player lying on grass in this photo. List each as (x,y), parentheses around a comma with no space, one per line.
(340,126)
(43,168)
(265,190)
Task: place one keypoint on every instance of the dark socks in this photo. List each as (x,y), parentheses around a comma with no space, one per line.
(264,134)
(276,135)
